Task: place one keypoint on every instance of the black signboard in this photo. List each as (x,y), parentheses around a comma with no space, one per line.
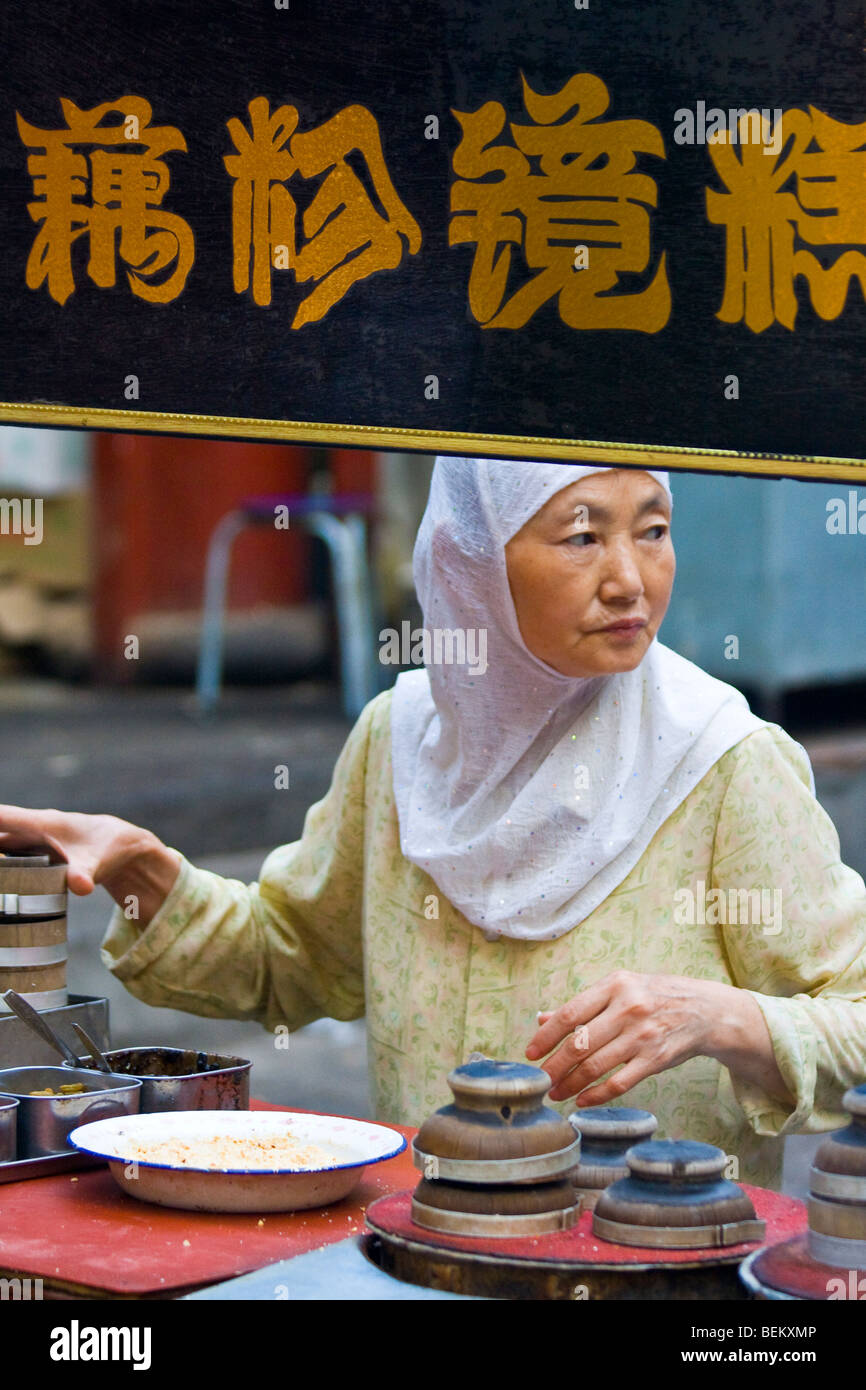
(561,229)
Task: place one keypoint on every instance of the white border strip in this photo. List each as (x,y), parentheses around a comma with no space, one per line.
(843,1186)
(835,1250)
(20,956)
(32,904)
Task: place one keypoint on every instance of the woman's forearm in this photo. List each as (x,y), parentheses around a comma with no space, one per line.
(141,884)
(739,1038)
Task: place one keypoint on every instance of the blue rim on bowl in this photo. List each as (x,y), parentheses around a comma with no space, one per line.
(85,1143)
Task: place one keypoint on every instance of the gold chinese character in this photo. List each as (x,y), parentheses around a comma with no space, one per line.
(263,210)
(347,238)
(583,196)
(818,194)
(126,191)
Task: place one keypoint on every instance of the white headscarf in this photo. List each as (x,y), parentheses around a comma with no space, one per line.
(525,794)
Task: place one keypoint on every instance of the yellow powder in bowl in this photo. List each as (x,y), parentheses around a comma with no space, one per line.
(269,1152)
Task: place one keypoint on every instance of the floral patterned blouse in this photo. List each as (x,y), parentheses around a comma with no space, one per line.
(340,924)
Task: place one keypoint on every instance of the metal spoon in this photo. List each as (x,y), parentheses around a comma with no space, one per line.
(94,1051)
(28,1015)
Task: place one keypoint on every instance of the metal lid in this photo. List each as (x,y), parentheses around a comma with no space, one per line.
(676,1159)
(489,1078)
(613,1122)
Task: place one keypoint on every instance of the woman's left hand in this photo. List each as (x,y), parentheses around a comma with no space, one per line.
(645,1024)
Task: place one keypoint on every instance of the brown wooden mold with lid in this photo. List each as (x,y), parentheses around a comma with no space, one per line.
(33,945)
(676,1198)
(496,1213)
(606,1132)
(829,1261)
(837,1190)
(496,1162)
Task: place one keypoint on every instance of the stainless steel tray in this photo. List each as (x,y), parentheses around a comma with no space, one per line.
(19,1169)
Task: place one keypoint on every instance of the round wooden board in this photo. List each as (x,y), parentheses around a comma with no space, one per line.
(573,1265)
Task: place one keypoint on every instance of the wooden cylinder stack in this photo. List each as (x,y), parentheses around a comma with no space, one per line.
(606,1132)
(497,1162)
(676,1198)
(33,945)
(837,1191)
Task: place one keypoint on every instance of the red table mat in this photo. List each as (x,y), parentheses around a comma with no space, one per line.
(79,1231)
(785,1216)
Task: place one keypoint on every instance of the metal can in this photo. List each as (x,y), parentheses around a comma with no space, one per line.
(45,1121)
(177,1078)
(8,1128)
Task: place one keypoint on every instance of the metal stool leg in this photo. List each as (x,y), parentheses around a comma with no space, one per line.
(346,542)
(210,653)
(367,614)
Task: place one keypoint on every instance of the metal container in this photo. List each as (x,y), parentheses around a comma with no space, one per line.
(19,1046)
(8,1129)
(45,1121)
(176,1078)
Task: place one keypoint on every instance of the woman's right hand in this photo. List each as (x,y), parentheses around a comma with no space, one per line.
(123,857)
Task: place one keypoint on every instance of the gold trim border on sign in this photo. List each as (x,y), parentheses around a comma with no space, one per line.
(657,456)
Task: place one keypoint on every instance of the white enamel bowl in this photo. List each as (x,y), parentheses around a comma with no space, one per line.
(354,1144)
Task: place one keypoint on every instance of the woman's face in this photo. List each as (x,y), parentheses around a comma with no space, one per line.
(598,553)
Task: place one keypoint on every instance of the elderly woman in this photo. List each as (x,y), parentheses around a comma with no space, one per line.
(540,857)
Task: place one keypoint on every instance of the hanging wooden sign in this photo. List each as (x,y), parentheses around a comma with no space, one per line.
(630,233)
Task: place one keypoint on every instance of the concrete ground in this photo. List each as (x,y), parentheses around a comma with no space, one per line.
(204,785)
(208,788)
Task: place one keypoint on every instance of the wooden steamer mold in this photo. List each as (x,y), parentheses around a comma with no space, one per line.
(496,1212)
(606,1132)
(675,1198)
(837,1191)
(497,1162)
(829,1261)
(33,947)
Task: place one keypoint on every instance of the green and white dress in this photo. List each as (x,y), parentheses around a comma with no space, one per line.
(340,924)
